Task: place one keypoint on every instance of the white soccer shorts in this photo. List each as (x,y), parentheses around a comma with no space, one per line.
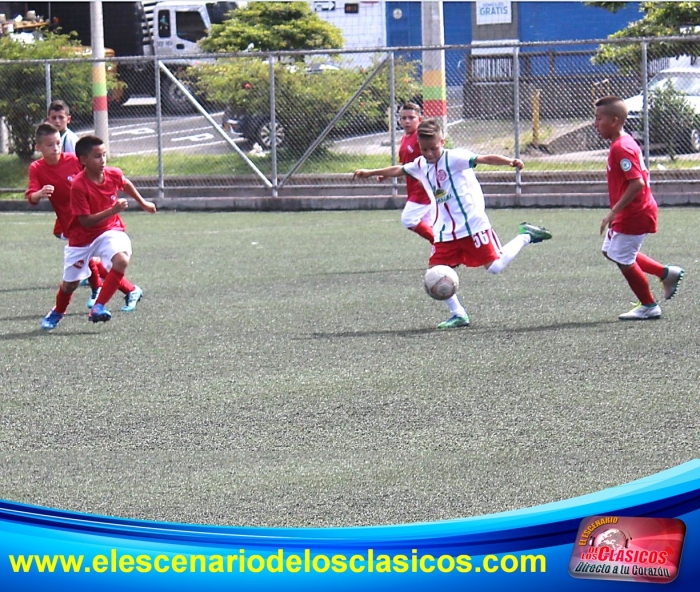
(622,248)
(105,246)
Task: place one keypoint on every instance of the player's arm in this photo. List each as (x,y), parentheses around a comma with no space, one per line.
(634,186)
(498,160)
(131,191)
(35,190)
(392,171)
(88,220)
(34,197)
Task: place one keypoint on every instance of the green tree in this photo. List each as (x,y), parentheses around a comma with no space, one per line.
(660,19)
(23,88)
(273,26)
(305,100)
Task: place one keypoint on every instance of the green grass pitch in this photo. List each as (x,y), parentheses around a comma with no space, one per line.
(284,369)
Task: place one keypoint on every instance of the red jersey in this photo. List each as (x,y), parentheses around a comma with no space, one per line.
(625,163)
(408,152)
(88,197)
(61,176)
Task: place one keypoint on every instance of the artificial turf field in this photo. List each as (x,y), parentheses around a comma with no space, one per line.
(284,369)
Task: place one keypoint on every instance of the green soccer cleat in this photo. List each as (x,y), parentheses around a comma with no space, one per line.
(454,321)
(537,233)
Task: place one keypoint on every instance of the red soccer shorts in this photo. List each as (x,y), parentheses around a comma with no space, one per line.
(470,251)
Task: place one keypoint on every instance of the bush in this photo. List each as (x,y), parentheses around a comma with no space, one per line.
(306,102)
(672,119)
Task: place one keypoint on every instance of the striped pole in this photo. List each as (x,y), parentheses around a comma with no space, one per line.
(434,83)
(99,74)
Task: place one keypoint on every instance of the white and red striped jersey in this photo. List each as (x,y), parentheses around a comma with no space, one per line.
(458,196)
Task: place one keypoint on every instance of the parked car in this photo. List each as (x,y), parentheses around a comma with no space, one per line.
(684,80)
(257,127)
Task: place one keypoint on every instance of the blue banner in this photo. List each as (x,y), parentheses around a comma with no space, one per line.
(536,548)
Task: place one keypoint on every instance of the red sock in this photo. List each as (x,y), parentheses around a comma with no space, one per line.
(638,282)
(424,230)
(648,265)
(109,286)
(62,301)
(94,280)
(126,286)
(102,269)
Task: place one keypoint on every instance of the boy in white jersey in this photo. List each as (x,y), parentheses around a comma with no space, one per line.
(463,232)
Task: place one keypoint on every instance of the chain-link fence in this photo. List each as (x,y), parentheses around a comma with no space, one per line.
(297,123)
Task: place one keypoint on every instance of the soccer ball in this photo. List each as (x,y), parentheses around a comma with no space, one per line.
(441,282)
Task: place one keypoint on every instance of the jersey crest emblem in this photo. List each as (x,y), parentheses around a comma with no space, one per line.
(441,176)
(625,164)
(441,195)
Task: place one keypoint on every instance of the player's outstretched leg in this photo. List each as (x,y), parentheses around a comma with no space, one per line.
(537,233)
(527,233)
(132,299)
(459,317)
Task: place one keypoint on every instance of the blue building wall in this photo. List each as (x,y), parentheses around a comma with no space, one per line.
(561,21)
(407,30)
(538,21)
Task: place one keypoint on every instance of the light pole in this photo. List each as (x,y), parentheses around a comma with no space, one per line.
(434,84)
(99,74)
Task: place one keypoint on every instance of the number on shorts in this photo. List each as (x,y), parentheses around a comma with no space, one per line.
(481,238)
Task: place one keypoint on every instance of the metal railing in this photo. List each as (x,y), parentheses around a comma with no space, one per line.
(284,122)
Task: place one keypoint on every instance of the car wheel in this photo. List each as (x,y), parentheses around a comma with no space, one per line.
(264,135)
(694,140)
(175,102)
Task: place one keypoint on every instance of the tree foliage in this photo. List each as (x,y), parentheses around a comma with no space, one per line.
(23,88)
(273,26)
(671,119)
(306,100)
(661,19)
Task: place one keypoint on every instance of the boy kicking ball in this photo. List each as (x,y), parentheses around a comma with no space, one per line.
(462,230)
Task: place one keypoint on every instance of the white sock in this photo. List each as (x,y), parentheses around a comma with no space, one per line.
(456,308)
(509,252)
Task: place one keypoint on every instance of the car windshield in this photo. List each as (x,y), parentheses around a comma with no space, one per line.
(686,83)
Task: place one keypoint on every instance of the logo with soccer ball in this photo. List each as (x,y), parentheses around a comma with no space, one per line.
(441,282)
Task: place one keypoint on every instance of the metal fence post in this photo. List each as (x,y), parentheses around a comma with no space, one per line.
(273,128)
(516,114)
(47,74)
(159,127)
(392,120)
(645,103)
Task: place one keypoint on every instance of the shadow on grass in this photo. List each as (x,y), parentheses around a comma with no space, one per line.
(559,326)
(39,332)
(466,330)
(28,289)
(395,333)
(368,271)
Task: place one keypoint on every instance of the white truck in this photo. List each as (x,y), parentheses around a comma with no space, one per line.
(166,29)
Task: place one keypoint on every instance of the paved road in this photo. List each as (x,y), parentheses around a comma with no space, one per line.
(134,135)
